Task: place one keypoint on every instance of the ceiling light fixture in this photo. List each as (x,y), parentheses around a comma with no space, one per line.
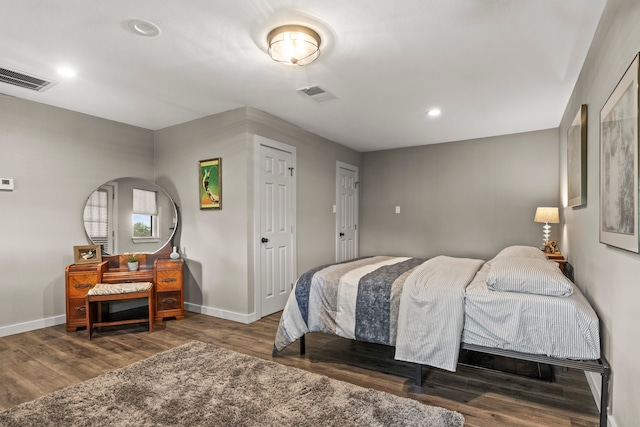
(143,28)
(434,112)
(294,44)
(67,72)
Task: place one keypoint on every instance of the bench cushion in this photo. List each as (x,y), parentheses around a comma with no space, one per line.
(119,288)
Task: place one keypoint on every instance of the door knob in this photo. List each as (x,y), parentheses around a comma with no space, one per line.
(264,240)
(341,234)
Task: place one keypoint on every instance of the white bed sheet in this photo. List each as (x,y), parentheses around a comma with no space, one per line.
(562,327)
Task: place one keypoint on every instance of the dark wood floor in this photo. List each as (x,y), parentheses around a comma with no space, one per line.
(35,363)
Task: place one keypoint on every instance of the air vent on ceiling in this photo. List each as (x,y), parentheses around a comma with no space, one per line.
(316,93)
(27,81)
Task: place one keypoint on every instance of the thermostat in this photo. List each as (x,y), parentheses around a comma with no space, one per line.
(6,184)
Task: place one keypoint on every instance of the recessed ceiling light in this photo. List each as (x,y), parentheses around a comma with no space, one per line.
(67,72)
(143,28)
(434,112)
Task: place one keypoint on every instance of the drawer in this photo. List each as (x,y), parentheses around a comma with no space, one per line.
(168,301)
(168,280)
(78,284)
(169,264)
(77,309)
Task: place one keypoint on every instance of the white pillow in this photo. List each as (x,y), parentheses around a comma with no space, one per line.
(521,252)
(528,275)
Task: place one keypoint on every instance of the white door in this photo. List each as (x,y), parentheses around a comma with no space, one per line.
(277,227)
(346,212)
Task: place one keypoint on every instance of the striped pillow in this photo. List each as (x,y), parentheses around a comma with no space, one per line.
(520,251)
(528,275)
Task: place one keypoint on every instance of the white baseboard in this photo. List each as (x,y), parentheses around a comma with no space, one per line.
(595,384)
(61,319)
(223,314)
(32,325)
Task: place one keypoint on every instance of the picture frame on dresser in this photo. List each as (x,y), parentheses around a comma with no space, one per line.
(551,247)
(619,163)
(577,159)
(210,183)
(87,254)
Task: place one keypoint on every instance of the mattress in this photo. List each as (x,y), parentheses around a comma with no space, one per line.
(562,327)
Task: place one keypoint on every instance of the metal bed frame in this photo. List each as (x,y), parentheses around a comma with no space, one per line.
(600,366)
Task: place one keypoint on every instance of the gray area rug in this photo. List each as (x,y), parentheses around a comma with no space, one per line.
(199,384)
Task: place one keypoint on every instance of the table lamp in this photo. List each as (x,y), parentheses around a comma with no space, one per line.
(546,215)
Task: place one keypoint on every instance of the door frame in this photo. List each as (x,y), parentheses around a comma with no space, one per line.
(257,283)
(354,168)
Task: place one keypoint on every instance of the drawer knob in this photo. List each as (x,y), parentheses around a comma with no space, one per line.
(168,279)
(81,308)
(169,300)
(82,285)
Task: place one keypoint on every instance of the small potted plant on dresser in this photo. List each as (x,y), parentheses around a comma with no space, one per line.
(132,263)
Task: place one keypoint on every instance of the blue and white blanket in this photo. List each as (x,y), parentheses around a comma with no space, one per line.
(363,299)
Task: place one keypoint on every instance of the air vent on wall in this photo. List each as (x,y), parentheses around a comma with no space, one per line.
(27,81)
(316,93)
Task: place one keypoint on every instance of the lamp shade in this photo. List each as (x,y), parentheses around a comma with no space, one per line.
(294,44)
(547,215)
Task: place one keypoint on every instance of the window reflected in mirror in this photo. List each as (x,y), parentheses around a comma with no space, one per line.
(142,225)
(145,214)
(97,218)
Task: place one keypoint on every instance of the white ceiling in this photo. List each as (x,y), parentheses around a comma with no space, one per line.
(494,67)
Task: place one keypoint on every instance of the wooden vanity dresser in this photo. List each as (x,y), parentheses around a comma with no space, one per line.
(166,275)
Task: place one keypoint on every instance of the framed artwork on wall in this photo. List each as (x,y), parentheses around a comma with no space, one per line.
(577,159)
(619,164)
(210,183)
(89,254)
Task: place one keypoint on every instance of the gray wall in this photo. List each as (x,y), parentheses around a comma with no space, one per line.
(467,198)
(608,276)
(218,245)
(56,158)
(213,242)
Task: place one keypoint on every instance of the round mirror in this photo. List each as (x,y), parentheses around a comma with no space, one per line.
(130,215)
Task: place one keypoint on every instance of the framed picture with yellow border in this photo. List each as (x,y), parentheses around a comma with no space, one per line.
(210,183)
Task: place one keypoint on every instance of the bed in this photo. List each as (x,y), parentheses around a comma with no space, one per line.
(518,304)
